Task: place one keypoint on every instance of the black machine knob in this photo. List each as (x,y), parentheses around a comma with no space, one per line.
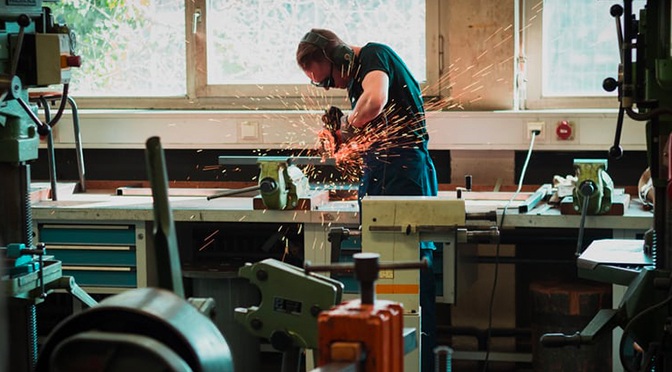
(616,152)
(23,20)
(268,185)
(587,188)
(616,10)
(610,84)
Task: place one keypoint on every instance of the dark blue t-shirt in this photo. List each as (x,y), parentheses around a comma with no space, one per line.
(403,117)
(398,161)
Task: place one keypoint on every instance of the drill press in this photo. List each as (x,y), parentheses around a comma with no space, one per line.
(643,84)
(35,53)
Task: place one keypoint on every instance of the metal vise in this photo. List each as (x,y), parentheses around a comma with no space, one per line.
(281,183)
(594,188)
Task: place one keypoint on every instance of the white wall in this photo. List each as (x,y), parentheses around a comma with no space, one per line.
(454,130)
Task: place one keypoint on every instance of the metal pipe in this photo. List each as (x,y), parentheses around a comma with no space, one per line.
(51,154)
(78,145)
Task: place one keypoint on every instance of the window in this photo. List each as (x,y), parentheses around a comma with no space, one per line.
(224,53)
(132,49)
(572,47)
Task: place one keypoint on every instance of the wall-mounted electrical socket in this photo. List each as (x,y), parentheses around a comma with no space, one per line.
(533,126)
(248,131)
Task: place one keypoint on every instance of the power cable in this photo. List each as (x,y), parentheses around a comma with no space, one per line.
(501,224)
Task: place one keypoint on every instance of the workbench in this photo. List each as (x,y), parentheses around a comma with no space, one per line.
(104,225)
(99,208)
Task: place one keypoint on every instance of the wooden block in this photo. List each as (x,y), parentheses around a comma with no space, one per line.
(570,299)
(619,204)
(307,202)
(561,307)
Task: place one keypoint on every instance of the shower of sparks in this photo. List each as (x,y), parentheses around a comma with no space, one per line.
(285,252)
(207,244)
(464,78)
(209,237)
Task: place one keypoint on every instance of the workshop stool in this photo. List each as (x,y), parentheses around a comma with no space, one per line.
(42,99)
(567,307)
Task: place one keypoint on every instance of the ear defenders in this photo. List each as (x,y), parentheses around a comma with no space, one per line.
(342,55)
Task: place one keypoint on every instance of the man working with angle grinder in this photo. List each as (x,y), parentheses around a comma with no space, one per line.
(385,128)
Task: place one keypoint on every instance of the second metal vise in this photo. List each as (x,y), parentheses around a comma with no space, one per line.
(594,188)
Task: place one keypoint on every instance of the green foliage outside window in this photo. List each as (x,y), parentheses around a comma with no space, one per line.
(128,47)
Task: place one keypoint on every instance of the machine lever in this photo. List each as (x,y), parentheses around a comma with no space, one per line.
(168,270)
(616,151)
(610,84)
(234,192)
(604,321)
(42,128)
(23,21)
(560,339)
(69,284)
(616,11)
(267,185)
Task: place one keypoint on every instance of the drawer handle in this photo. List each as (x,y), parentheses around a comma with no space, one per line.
(90,247)
(86,227)
(97,268)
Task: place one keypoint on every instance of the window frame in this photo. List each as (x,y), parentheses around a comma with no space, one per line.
(532,29)
(236,97)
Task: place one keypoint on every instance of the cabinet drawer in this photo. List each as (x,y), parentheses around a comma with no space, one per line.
(102,276)
(93,254)
(87,234)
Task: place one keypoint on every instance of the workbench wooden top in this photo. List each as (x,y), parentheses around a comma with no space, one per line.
(106,205)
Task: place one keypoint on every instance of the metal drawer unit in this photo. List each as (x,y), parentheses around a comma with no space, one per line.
(101,257)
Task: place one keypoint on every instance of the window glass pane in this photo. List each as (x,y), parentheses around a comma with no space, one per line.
(580,47)
(128,47)
(255,41)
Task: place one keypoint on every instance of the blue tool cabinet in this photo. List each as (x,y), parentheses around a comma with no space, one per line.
(99,256)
